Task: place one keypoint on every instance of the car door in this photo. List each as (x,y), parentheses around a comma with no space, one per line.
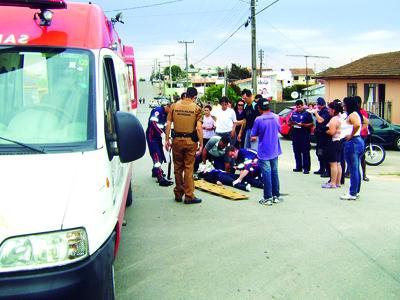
(382,133)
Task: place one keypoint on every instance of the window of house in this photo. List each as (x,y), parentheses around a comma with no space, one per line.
(351,89)
(370,94)
(296,77)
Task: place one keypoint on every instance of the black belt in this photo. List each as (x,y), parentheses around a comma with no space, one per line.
(184,135)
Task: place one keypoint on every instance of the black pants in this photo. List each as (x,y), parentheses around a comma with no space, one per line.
(301,148)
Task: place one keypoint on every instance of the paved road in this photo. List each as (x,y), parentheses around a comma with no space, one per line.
(311,246)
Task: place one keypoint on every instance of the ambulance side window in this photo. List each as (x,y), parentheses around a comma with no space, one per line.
(110,105)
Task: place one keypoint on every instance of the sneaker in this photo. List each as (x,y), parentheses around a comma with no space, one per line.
(265,201)
(165,182)
(275,199)
(248,187)
(195,200)
(348,197)
(358,195)
(306,172)
(268,202)
(328,186)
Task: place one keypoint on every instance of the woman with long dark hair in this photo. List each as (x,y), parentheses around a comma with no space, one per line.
(353,146)
(333,147)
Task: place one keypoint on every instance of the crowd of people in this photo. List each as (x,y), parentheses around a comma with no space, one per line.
(340,128)
(238,144)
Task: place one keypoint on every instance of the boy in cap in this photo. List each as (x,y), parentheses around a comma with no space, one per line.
(266,128)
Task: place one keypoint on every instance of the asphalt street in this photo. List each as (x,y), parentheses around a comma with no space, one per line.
(310,246)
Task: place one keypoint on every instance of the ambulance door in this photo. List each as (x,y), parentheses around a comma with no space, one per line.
(111,105)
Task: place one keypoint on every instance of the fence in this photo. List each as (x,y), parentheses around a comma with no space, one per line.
(382,109)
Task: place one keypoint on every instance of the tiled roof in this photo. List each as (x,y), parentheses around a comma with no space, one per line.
(302,71)
(376,65)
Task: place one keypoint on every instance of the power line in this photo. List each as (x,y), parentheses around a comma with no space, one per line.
(269,5)
(144,6)
(246,23)
(205,12)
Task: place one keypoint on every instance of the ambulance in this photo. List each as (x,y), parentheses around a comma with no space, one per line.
(67,141)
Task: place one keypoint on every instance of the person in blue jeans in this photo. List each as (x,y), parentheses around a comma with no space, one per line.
(266,128)
(353,146)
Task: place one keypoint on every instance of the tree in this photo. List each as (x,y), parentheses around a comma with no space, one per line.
(175,70)
(237,72)
(214,93)
(191,66)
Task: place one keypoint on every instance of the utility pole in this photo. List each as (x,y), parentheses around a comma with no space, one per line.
(186,58)
(253,47)
(306,57)
(225,90)
(170,71)
(261,57)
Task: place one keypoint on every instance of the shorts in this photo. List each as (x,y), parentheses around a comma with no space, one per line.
(334,152)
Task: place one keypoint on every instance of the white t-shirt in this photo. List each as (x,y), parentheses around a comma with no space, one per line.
(225,119)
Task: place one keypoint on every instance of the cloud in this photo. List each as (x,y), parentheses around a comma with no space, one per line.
(376,35)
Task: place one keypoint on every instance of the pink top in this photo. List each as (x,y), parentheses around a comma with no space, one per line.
(208,127)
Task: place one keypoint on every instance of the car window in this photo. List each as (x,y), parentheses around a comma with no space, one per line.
(285,112)
(375,121)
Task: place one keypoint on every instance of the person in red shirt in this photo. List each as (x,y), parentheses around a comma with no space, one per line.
(364,134)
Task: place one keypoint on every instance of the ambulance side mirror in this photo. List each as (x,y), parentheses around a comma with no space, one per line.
(131,141)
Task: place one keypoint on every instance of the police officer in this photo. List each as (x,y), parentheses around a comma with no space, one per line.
(154,133)
(301,122)
(323,140)
(185,116)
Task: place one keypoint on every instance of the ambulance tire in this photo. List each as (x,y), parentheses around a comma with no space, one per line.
(129,198)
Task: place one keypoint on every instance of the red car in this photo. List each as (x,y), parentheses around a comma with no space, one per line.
(284,117)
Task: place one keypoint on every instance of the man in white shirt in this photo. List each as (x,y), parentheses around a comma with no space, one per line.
(225,120)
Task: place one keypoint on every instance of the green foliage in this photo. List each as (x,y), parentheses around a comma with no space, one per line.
(232,95)
(235,88)
(237,72)
(214,93)
(288,90)
(142,79)
(176,72)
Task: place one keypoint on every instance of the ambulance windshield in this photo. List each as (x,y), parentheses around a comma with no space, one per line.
(45,97)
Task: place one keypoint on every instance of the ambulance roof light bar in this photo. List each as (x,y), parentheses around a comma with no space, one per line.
(35,4)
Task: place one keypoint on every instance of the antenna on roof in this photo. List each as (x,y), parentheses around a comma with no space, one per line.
(306,57)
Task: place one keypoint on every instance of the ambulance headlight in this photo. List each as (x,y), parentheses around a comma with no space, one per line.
(43,250)
(47,15)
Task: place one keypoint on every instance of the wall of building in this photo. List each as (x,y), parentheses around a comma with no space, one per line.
(337,89)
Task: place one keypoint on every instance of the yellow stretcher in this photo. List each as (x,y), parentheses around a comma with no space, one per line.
(219,190)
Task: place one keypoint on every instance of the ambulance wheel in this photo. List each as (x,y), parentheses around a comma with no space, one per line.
(129,198)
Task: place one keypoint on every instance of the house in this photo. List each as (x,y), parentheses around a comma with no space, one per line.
(300,76)
(375,78)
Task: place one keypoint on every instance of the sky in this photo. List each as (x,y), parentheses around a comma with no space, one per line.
(341,30)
